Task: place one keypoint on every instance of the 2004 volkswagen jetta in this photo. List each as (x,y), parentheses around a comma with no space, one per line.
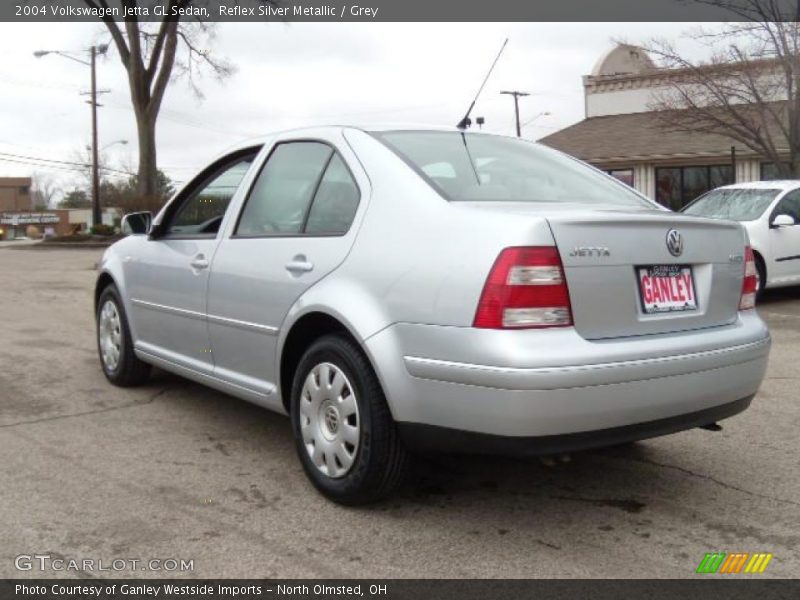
(399,289)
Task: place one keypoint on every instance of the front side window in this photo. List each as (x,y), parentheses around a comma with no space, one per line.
(789,205)
(200,214)
(736,204)
(475,167)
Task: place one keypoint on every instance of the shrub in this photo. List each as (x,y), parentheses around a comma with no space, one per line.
(102,229)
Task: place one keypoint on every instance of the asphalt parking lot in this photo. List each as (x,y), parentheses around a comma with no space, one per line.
(175,470)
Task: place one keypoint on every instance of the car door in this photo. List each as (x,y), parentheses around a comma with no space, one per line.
(167,279)
(785,240)
(295,227)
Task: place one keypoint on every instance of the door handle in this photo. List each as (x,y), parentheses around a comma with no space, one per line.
(199,262)
(299,264)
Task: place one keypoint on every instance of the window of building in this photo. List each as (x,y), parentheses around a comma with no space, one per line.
(770,172)
(624,175)
(678,186)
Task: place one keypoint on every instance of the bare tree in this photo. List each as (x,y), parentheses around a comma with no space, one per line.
(43,190)
(749,88)
(152,53)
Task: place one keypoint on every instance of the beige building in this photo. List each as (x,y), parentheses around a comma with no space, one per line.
(620,136)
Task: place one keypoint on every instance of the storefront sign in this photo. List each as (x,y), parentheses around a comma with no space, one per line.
(28,218)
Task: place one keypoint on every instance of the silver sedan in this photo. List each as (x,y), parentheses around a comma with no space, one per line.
(400,290)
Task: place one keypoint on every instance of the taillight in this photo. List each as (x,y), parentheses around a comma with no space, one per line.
(750,283)
(526,288)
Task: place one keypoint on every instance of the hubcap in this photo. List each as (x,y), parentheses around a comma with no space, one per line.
(110,334)
(329,421)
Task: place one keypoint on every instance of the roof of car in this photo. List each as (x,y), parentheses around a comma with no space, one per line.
(775,184)
(371,127)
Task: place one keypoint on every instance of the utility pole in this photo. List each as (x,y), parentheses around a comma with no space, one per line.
(517,95)
(92,63)
(97,217)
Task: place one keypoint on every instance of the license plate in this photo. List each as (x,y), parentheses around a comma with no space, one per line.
(666,288)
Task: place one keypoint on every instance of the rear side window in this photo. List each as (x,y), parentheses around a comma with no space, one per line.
(304,188)
(487,168)
(283,191)
(336,201)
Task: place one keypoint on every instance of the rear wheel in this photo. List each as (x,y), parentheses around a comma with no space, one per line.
(761,273)
(114,344)
(346,438)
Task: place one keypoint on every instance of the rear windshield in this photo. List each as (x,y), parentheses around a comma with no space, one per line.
(475,167)
(733,204)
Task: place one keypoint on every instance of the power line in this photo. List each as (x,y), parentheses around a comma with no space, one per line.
(62,162)
(58,168)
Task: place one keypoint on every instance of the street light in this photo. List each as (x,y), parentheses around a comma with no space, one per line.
(123,142)
(92,63)
(536,116)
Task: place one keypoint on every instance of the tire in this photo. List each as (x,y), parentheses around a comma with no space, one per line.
(761,269)
(127,370)
(373,459)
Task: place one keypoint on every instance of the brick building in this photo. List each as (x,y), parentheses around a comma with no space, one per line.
(15,194)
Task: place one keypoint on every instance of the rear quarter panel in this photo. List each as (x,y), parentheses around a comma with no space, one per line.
(419,258)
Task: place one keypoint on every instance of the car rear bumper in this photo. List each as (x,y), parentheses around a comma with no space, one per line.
(574,376)
(538,384)
(431,438)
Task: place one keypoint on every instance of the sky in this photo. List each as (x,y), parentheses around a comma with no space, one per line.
(298,74)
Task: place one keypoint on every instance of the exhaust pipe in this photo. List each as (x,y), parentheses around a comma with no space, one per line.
(553,459)
(712,427)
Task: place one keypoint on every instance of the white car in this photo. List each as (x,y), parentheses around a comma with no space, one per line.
(770,211)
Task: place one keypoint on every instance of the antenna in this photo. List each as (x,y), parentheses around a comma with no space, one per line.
(465,122)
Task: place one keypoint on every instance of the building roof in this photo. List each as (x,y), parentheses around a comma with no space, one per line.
(14,181)
(636,136)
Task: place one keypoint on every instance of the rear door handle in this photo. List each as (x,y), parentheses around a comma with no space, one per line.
(199,262)
(299,264)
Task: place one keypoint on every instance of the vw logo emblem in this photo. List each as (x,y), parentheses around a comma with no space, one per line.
(674,242)
(332,419)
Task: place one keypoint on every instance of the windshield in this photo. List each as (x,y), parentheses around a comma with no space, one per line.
(735,204)
(475,167)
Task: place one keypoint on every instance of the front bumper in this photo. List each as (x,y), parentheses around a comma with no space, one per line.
(538,384)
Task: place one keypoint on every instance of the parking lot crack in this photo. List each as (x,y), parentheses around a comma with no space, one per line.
(150,399)
(723,484)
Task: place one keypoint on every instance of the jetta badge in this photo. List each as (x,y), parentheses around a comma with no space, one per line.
(674,242)
(590,251)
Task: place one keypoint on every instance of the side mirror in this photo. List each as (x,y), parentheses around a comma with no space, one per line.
(782,221)
(137,223)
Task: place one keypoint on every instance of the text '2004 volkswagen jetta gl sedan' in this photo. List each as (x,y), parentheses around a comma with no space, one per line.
(399,290)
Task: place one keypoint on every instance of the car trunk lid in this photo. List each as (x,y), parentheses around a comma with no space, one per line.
(624,280)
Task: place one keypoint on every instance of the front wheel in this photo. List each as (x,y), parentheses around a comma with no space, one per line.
(346,438)
(114,344)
